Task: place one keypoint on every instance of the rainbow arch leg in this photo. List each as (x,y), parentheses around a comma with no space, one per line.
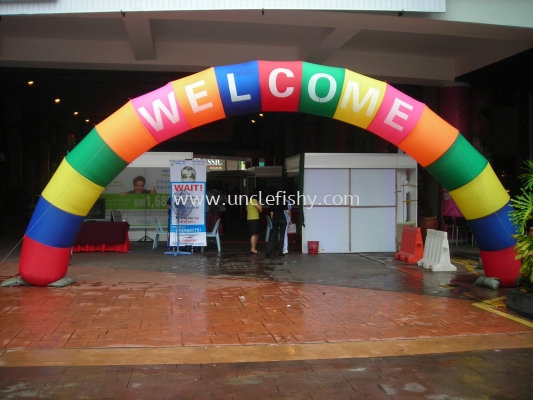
(256,86)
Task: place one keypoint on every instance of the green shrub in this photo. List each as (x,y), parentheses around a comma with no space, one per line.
(519,216)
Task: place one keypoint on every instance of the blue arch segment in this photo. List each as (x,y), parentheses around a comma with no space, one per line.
(239,88)
(494,231)
(52,226)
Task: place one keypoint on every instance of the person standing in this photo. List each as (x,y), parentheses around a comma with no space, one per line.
(222,204)
(279,224)
(169,222)
(289,222)
(253,209)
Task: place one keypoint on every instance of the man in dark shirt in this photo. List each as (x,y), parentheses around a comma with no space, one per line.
(279,223)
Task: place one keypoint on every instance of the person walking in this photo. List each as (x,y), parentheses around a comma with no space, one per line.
(279,224)
(253,209)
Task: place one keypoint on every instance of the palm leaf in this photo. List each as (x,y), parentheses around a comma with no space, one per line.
(521,214)
(527,178)
(523,209)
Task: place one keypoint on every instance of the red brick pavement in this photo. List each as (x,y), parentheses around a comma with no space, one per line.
(131,308)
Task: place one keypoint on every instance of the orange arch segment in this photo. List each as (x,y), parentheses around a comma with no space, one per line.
(125,134)
(429,139)
(199,97)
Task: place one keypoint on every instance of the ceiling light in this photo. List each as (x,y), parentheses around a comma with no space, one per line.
(75,113)
(260,114)
(253,121)
(86,120)
(57,101)
(30,83)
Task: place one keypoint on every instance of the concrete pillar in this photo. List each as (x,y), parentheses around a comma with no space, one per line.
(455,108)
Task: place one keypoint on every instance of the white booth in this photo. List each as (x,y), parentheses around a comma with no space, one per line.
(356,202)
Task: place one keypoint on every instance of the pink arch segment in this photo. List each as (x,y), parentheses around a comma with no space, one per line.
(253,87)
(161,113)
(397,116)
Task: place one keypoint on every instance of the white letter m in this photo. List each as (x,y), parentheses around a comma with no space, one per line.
(372,95)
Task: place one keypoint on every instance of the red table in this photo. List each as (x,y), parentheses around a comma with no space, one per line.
(102,236)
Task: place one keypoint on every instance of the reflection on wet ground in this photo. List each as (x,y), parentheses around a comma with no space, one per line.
(378,271)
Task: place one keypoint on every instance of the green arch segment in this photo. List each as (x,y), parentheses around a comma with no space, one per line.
(95,160)
(459,165)
(320,88)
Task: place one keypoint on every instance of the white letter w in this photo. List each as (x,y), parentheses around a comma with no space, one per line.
(158,106)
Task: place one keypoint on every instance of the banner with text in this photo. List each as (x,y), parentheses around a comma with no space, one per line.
(187,211)
(140,194)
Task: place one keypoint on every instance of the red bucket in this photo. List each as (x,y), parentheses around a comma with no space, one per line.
(312,247)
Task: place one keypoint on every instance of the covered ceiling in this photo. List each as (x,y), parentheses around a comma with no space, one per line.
(96,62)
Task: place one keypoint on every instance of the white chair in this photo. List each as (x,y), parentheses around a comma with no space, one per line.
(158,231)
(214,234)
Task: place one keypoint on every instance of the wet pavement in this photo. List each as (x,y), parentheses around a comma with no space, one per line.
(473,375)
(379,271)
(233,325)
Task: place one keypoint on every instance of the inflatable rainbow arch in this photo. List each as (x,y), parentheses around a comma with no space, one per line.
(262,86)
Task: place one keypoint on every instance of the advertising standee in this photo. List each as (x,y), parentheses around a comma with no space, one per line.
(187,210)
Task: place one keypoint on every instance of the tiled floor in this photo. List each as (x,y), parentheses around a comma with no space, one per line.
(105,308)
(235,326)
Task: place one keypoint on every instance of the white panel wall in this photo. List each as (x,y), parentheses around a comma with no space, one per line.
(323,184)
(373,229)
(375,187)
(329,226)
(368,194)
(368,225)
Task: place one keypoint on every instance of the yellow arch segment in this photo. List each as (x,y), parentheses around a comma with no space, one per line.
(125,133)
(482,196)
(70,191)
(360,99)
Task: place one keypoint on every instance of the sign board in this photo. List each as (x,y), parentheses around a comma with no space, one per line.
(187,207)
(140,194)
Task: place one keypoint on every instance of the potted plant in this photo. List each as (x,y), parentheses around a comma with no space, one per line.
(520,299)
(427,220)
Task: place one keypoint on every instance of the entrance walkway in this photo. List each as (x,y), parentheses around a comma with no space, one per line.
(238,326)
